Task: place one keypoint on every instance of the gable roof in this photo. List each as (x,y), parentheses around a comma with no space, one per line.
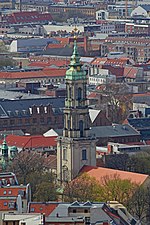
(100,172)
(8,108)
(130,72)
(39,207)
(146,7)
(116,130)
(38,141)
(47,72)
(27,17)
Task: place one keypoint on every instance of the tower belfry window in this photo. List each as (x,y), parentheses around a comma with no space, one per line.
(79,93)
(81,128)
(69,92)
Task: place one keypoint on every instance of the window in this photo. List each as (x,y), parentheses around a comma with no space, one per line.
(79,93)
(5,203)
(48,120)
(32,209)
(74,210)
(4,182)
(11,205)
(85,211)
(34,120)
(81,128)
(5,192)
(5,122)
(27,121)
(21,192)
(12,122)
(84,156)
(9,192)
(41,120)
(64,154)
(19,121)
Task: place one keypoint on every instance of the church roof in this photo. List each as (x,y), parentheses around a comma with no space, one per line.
(115,130)
(100,172)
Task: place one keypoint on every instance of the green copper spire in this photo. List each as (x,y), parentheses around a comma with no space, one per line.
(75,72)
(75,58)
(4,148)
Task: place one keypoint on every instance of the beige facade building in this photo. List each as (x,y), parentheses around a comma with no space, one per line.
(76,147)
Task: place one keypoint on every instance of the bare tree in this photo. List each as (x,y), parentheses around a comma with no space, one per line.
(117,100)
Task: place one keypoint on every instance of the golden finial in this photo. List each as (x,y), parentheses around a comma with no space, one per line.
(75,31)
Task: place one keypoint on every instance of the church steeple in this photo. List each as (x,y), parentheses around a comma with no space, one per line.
(76,115)
(75,71)
(75,148)
(4,148)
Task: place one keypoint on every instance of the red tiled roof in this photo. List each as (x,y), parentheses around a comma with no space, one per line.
(59,45)
(59,63)
(135,143)
(141,94)
(99,61)
(38,141)
(100,172)
(116,61)
(11,191)
(26,17)
(115,70)
(130,72)
(147,142)
(46,208)
(63,40)
(92,95)
(48,72)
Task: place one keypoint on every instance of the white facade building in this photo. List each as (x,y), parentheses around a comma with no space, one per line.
(102,15)
(101,79)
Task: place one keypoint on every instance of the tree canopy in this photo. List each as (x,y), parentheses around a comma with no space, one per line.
(30,167)
(85,188)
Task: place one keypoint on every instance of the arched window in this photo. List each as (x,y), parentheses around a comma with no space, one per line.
(69,123)
(81,128)
(64,154)
(84,154)
(70,92)
(79,93)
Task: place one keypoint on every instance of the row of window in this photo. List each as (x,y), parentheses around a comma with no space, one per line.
(28,121)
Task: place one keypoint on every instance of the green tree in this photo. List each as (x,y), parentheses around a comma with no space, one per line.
(113,188)
(45,191)
(83,188)
(116,189)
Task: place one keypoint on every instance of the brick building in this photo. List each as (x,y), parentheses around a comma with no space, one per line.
(34,116)
(136,49)
(143,29)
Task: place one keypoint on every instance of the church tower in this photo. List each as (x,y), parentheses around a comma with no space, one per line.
(76,147)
